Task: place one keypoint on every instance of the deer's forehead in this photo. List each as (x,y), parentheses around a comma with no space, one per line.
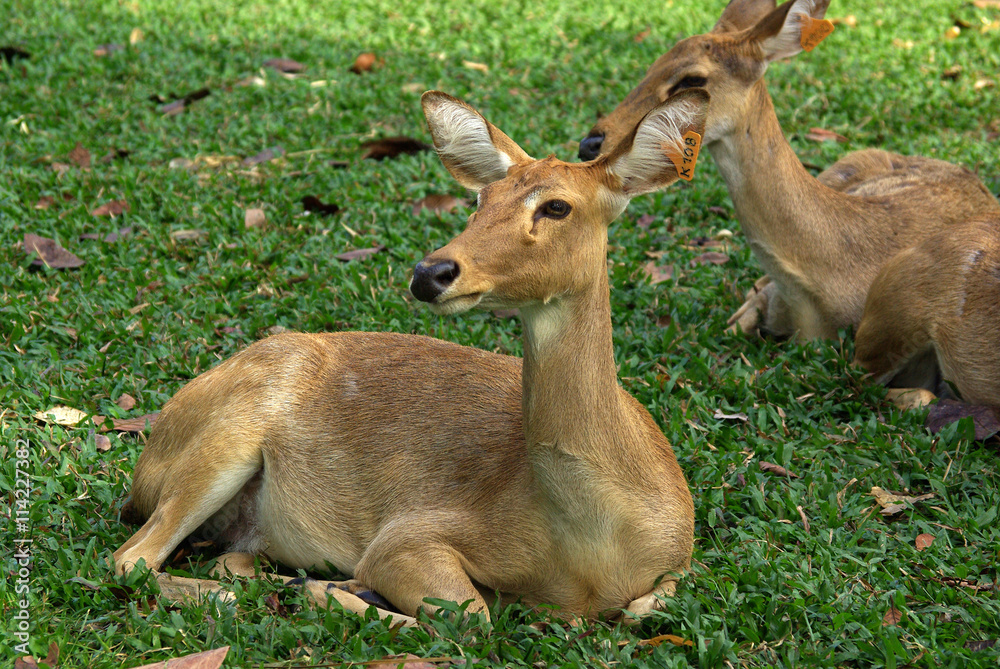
(544,178)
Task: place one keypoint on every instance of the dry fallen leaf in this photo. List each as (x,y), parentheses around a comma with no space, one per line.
(645,221)
(824,135)
(730,416)
(658,273)
(136,36)
(984,644)
(49,253)
(109,237)
(102,443)
(668,638)
(126,402)
(187,235)
(892,503)
(891,617)
(639,37)
(475,66)
(135,425)
(44,202)
(390,147)
(776,469)
(254,218)
(945,412)
(439,204)
(314,205)
(363,63)
(711,258)
(61,415)
(285,65)
(952,72)
(113,208)
(209,659)
(359,253)
(178,105)
(264,156)
(29,662)
(408,661)
(80,156)
(107,49)
(923,541)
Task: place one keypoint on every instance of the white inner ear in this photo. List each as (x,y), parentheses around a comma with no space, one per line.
(463,138)
(788,42)
(659,133)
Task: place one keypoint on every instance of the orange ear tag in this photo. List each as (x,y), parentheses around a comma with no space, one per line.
(814,31)
(686,160)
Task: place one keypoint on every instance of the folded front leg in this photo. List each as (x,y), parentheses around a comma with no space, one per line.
(641,607)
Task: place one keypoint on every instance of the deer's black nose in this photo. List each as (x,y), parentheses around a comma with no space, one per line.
(429,281)
(590,147)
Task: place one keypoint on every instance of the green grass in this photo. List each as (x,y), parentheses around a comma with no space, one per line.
(765,590)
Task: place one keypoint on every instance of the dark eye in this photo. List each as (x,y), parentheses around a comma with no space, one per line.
(688,82)
(555,209)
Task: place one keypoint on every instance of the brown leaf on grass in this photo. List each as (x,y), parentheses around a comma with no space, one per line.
(44,202)
(80,156)
(666,638)
(49,253)
(264,156)
(314,205)
(710,258)
(102,443)
(639,37)
(357,254)
(178,105)
(952,72)
(923,541)
(136,36)
(776,469)
(391,147)
(892,503)
(131,425)
(408,661)
(364,62)
(208,659)
(285,65)
(29,662)
(658,273)
(187,235)
(479,67)
(126,402)
(824,135)
(946,412)
(254,218)
(892,617)
(108,238)
(720,211)
(107,49)
(984,644)
(664,320)
(113,208)
(439,204)
(719,415)
(645,221)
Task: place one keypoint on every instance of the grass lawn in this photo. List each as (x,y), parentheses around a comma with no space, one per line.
(801,571)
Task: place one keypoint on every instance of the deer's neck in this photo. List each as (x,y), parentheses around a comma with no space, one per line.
(571,396)
(782,209)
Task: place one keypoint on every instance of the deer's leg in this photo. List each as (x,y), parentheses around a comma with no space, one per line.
(188,499)
(651,601)
(910,398)
(753,311)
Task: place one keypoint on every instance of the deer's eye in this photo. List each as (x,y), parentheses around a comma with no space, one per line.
(555,209)
(688,82)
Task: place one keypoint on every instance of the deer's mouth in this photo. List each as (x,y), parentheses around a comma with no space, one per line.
(445,306)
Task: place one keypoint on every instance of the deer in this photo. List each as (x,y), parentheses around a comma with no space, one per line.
(424,469)
(823,240)
(932,315)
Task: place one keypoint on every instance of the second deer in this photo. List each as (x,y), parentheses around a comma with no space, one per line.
(820,240)
(424,469)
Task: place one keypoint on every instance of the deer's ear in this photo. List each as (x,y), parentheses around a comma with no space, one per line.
(780,32)
(648,159)
(742,14)
(471,148)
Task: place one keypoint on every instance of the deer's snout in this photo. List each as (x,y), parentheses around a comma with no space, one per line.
(432,279)
(590,147)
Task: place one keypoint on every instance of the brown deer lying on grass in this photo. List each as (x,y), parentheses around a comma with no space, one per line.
(933,316)
(821,240)
(426,469)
